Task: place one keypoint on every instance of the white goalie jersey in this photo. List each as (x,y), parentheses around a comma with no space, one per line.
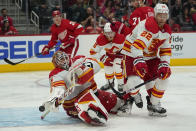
(69,84)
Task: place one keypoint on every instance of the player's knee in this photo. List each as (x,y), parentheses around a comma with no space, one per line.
(162,84)
(132,82)
(90,110)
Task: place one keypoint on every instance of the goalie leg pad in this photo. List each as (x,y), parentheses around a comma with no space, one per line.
(90,110)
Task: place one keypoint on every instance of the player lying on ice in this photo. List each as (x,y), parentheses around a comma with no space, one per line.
(73,87)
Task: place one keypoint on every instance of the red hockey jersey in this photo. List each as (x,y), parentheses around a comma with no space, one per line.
(140,14)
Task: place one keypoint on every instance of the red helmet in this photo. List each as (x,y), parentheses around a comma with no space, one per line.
(56,12)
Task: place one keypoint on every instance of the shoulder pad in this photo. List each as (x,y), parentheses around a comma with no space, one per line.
(167,28)
(55,71)
(75,58)
(101,40)
(53,27)
(151,25)
(119,38)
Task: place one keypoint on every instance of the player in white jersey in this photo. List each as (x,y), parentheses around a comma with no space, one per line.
(73,86)
(148,51)
(106,49)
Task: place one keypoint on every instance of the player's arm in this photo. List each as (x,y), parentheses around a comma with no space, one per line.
(97,50)
(164,70)
(51,43)
(75,28)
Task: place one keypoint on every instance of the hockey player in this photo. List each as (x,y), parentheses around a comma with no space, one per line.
(140,13)
(120,28)
(74,87)
(148,54)
(106,49)
(66,31)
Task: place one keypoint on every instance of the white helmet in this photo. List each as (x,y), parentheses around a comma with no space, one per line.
(107,27)
(161,8)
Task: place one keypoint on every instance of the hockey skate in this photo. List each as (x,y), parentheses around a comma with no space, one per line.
(107,86)
(155,110)
(138,100)
(125,109)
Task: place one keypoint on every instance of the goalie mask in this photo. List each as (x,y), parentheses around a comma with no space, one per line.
(61,60)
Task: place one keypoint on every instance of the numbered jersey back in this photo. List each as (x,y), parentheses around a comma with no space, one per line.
(140,14)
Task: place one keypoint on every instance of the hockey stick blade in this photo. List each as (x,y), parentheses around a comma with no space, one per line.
(12,63)
(15,63)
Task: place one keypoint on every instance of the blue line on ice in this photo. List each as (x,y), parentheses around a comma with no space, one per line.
(30,116)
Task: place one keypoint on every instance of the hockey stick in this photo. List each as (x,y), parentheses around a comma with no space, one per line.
(15,63)
(120,95)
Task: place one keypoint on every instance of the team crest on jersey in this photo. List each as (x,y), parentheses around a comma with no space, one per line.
(62,35)
(155,44)
(112,50)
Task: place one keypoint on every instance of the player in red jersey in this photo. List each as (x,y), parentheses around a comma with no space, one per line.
(75,88)
(120,28)
(66,31)
(140,13)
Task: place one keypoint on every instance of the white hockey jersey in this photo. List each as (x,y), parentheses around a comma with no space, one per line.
(149,41)
(73,87)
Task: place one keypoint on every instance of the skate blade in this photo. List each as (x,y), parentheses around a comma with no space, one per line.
(155,114)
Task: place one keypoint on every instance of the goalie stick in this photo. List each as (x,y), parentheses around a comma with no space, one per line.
(120,95)
(15,63)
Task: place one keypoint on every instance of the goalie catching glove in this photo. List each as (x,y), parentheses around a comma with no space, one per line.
(164,70)
(55,99)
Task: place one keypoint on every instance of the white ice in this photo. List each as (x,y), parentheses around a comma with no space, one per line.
(21,93)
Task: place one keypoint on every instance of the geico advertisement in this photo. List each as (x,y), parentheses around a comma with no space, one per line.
(183,45)
(21,47)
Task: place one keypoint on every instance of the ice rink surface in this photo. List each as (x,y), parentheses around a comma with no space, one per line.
(22,93)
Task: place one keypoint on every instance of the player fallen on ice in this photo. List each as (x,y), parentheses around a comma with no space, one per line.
(73,86)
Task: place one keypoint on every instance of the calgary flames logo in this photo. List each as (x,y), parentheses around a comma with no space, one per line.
(62,35)
(112,50)
(155,44)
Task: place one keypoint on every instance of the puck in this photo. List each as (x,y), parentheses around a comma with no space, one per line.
(41,108)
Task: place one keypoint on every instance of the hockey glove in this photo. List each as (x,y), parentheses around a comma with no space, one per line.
(104,58)
(140,66)
(45,50)
(164,70)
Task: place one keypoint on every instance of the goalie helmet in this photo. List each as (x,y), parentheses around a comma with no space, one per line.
(161,8)
(61,60)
